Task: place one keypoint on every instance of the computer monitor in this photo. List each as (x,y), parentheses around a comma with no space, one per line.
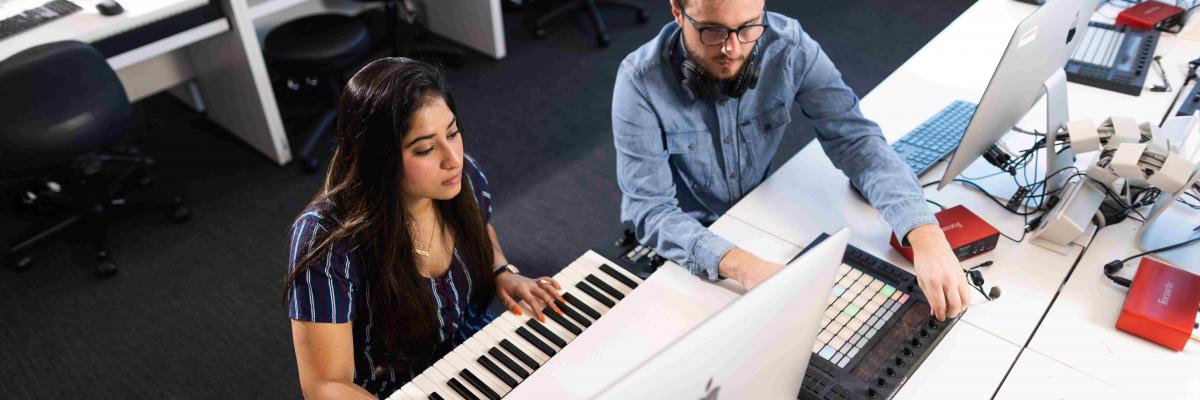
(755,348)
(1032,65)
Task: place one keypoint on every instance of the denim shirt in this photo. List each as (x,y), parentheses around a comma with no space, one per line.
(681,161)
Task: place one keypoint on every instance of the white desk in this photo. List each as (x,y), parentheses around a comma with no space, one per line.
(1080,331)
(1036,376)
(216,67)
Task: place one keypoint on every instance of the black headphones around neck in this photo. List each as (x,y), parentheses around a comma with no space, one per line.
(701,84)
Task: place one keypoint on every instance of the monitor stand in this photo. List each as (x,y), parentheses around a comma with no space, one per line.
(1055,233)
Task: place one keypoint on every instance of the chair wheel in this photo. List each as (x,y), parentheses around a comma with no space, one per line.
(310,164)
(106,268)
(643,16)
(19,262)
(603,41)
(180,214)
(539,33)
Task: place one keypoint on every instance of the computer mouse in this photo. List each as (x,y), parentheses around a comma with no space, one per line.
(109,7)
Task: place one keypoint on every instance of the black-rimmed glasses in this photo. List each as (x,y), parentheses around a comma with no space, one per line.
(716,35)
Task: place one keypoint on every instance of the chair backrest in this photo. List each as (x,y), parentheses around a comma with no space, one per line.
(58,101)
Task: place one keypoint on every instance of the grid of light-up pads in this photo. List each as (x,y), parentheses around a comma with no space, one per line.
(859,307)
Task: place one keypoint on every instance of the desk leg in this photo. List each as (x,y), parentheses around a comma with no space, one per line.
(233,79)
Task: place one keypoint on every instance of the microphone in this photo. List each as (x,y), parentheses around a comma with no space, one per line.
(994,293)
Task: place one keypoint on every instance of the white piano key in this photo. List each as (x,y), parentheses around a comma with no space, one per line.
(593,269)
(480,348)
(433,381)
(459,359)
(586,298)
(502,329)
(413,392)
(448,371)
(552,326)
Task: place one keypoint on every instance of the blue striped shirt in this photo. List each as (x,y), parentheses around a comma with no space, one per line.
(336,289)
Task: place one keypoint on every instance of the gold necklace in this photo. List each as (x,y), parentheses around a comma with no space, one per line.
(428,244)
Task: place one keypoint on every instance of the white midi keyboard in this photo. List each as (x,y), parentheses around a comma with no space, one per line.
(506,352)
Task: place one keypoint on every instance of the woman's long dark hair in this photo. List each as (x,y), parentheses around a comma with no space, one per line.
(361,193)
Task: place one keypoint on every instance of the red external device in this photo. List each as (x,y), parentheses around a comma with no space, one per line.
(1161,305)
(968,234)
(1149,14)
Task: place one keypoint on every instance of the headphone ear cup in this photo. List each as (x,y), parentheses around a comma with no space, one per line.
(747,78)
(698,82)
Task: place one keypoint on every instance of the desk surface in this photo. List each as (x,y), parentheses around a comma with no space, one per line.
(1079,330)
(957,64)
(1036,376)
(88,25)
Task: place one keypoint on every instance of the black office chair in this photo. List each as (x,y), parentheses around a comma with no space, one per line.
(592,7)
(317,49)
(64,111)
(406,33)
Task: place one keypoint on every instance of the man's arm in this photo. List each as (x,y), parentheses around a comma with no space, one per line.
(857,148)
(648,202)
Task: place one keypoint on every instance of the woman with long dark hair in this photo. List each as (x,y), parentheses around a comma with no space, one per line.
(394,262)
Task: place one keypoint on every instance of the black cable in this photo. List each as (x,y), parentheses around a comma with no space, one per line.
(1111,269)
(939,205)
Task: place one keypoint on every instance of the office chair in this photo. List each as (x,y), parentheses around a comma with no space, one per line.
(64,111)
(404,28)
(592,7)
(317,49)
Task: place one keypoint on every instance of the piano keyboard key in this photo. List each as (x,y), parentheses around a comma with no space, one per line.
(450,374)
(588,290)
(437,384)
(497,371)
(508,362)
(516,346)
(574,315)
(506,352)
(413,392)
(561,320)
(520,354)
(619,276)
(581,306)
(545,348)
(605,287)
(539,328)
(544,333)
(462,390)
(475,375)
(480,349)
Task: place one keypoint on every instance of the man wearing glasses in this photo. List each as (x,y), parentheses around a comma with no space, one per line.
(698,113)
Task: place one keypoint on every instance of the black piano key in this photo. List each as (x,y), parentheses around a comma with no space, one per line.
(497,371)
(462,390)
(435,396)
(545,348)
(478,384)
(581,306)
(561,320)
(619,276)
(605,287)
(595,294)
(542,329)
(516,352)
(575,315)
(511,364)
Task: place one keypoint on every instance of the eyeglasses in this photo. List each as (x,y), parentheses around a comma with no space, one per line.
(716,35)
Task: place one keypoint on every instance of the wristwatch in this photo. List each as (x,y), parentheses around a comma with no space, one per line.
(506,268)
